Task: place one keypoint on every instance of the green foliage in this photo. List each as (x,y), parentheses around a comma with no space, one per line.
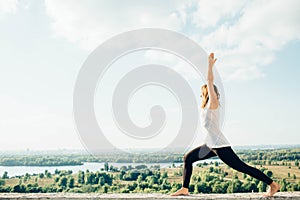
(2,182)
(234,186)
(19,188)
(101,181)
(269,173)
(5,189)
(41,175)
(106,166)
(203,187)
(105,188)
(249,186)
(5,175)
(283,184)
(128,179)
(261,186)
(81,177)
(71,182)
(63,182)
(217,188)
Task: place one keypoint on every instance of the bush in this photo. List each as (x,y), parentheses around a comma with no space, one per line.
(75,190)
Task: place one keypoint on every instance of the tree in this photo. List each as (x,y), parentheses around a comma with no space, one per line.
(140,179)
(283,185)
(196,189)
(141,167)
(165,174)
(269,162)
(56,179)
(105,189)
(122,172)
(203,187)
(5,175)
(71,182)
(217,188)
(48,174)
(152,180)
(165,185)
(269,173)
(123,168)
(261,186)
(249,186)
(101,181)
(111,168)
(106,166)
(19,188)
(107,178)
(63,182)
(2,182)
(234,186)
(89,178)
(80,177)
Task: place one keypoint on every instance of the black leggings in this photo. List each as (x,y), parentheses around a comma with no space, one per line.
(227,155)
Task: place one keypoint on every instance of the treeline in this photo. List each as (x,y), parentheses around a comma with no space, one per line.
(251,156)
(139,180)
(38,161)
(271,155)
(60,160)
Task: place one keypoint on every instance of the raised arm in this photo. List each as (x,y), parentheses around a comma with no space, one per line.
(214,103)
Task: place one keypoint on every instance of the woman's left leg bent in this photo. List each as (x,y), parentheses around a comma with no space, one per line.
(228,156)
(199,153)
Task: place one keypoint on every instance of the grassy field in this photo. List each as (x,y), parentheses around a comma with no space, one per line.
(279,172)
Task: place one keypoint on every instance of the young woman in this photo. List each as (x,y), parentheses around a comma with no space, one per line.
(215,142)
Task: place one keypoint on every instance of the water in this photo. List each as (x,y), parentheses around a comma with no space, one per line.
(91,166)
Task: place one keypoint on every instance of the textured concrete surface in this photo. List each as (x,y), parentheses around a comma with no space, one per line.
(136,196)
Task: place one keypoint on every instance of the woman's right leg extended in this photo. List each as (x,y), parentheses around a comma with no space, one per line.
(200,153)
(228,156)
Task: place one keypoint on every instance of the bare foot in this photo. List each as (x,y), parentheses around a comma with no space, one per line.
(273,188)
(181,191)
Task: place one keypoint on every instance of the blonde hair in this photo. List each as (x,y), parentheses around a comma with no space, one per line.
(204,91)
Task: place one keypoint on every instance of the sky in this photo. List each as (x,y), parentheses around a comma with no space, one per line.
(43,45)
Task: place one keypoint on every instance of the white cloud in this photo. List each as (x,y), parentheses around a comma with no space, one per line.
(245,35)
(250,40)
(91,22)
(8,6)
(209,13)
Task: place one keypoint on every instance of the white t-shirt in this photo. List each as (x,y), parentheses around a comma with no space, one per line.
(210,119)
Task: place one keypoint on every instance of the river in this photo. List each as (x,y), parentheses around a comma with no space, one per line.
(91,166)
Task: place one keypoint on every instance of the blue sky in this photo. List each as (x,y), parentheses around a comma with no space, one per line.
(44,44)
